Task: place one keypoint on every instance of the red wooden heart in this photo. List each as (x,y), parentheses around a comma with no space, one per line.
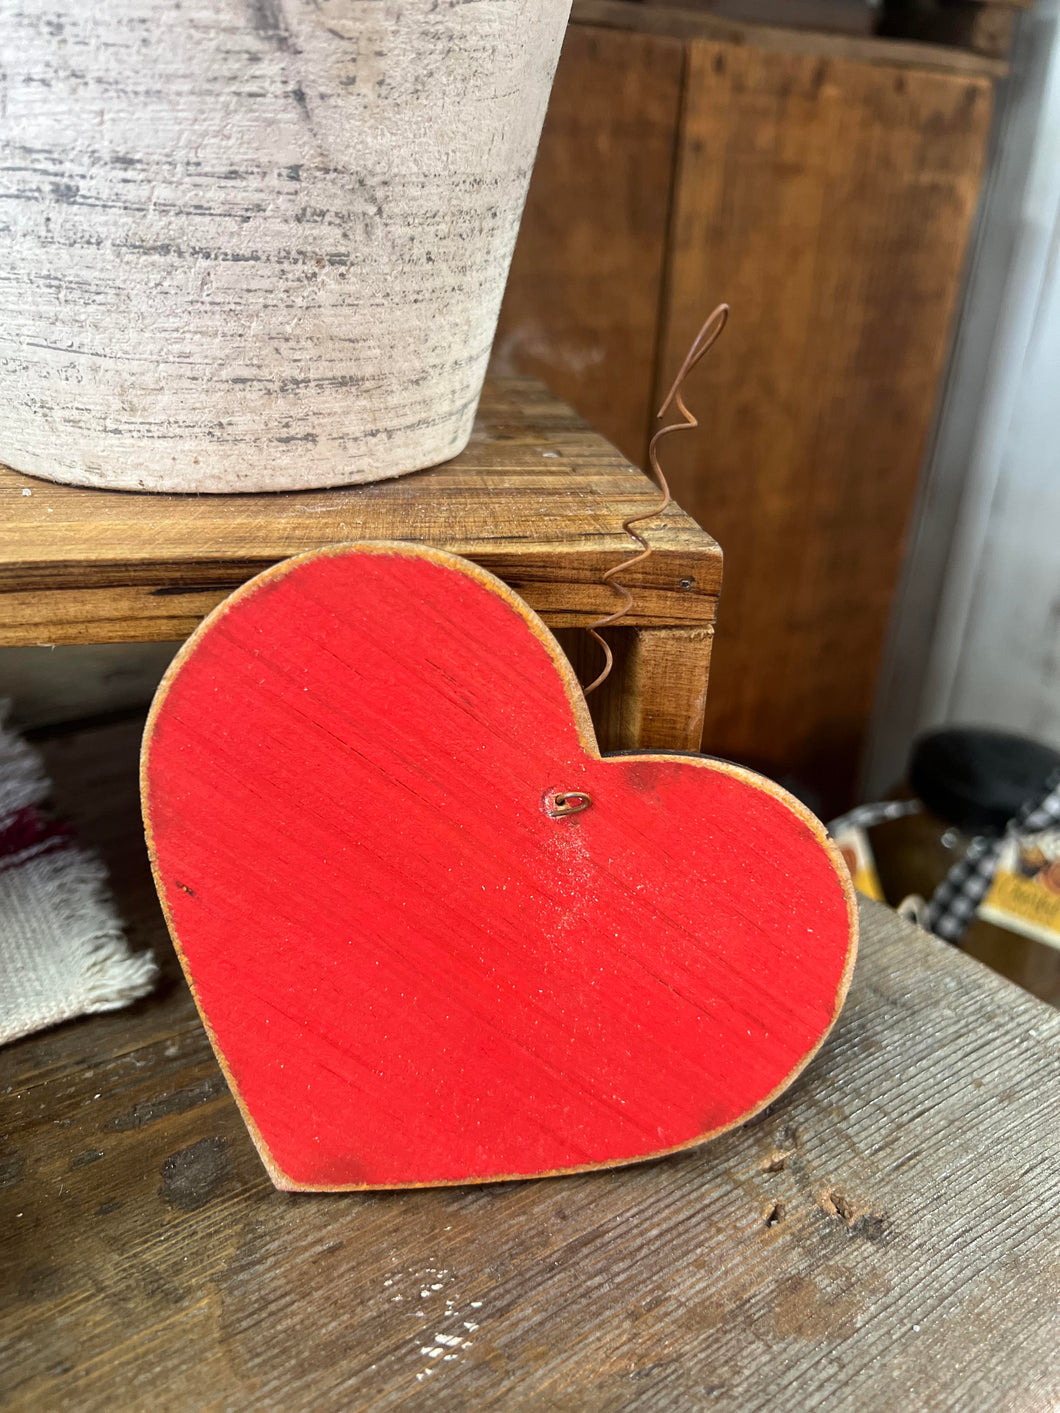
(415,971)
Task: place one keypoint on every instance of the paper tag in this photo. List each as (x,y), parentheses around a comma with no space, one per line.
(857,853)
(1025,893)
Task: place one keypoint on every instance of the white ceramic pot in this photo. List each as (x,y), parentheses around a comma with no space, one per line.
(257,244)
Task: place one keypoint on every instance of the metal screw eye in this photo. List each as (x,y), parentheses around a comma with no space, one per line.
(563,802)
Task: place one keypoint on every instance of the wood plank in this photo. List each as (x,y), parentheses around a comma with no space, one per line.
(882,1237)
(581,312)
(675,21)
(830,203)
(662,689)
(537,498)
(565,594)
(656,691)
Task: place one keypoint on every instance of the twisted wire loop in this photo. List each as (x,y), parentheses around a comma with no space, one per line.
(701,344)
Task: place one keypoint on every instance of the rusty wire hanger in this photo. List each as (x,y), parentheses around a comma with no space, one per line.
(701,344)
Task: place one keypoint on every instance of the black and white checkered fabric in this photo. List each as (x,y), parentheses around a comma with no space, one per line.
(956,900)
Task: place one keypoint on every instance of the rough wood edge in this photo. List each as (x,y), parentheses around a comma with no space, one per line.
(587,736)
(155,602)
(669,20)
(677,548)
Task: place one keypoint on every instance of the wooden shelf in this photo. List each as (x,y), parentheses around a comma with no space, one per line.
(538,498)
(882,1237)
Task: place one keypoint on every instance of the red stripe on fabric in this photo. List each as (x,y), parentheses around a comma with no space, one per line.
(27,829)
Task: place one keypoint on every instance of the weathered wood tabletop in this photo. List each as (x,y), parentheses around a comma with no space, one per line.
(882,1238)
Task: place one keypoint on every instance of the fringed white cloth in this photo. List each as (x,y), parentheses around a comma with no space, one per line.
(62,949)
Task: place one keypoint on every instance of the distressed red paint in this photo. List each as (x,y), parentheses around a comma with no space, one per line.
(412,972)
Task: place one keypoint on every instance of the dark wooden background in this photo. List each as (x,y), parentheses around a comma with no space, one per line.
(826,188)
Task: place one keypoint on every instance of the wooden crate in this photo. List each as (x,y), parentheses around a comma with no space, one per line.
(825,186)
(537,498)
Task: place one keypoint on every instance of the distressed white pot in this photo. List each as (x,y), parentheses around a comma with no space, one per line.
(257,244)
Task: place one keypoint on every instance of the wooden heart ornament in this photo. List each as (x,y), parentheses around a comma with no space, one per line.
(434,936)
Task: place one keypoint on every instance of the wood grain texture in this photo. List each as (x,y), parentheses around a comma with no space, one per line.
(581,309)
(657,688)
(258,246)
(883,1238)
(830,203)
(826,188)
(413,968)
(687,22)
(537,498)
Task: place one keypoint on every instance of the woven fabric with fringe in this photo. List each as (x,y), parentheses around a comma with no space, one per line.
(62,949)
